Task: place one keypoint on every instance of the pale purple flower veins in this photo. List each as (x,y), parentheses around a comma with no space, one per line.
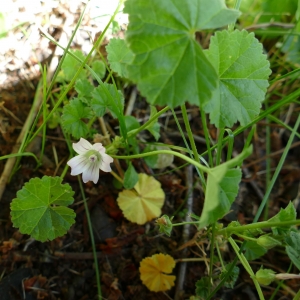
(91,158)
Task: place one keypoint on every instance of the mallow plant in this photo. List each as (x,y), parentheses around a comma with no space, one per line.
(227,82)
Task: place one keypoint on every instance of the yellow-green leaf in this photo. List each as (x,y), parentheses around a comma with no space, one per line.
(154,272)
(144,202)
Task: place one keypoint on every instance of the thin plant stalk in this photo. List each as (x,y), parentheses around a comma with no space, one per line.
(71,84)
(189,132)
(230,144)
(207,138)
(247,267)
(268,160)
(220,146)
(200,174)
(277,171)
(92,239)
(44,104)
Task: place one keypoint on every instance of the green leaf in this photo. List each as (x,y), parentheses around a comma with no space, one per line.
(169,65)
(159,161)
(99,68)
(221,190)
(220,194)
(154,127)
(233,276)
(277,10)
(254,251)
(287,214)
(106,96)
(132,123)
(84,89)
(119,56)
(71,65)
(72,116)
(131,177)
(55,119)
(203,287)
(150,160)
(40,208)
(293,248)
(243,71)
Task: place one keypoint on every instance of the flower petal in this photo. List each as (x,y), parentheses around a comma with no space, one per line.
(82,146)
(78,164)
(105,161)
(99,147)
(91,173)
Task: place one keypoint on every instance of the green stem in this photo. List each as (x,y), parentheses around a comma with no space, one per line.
(53,79)
(247,267)
(220,146)
(230,144)
(211,254)
(220,256)
(268,161)
(184,223)
(71,84)
(187,159)
(92,239)
(266,224)
(286,100)
(207,137)
(145,125)
(246,238)
(192,141)
(278,169)
(64,172)
(297,297)
(20,155)
(190,259)
(189,132)
(44,104)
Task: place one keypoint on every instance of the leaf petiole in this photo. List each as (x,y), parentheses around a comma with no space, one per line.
(266,224)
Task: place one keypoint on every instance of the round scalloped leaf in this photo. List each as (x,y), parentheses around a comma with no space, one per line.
(243,72)
(72,118)
(169,64)
(40,208)
(144,202)
(119,56)
(106,96)
(71,65)
(155,272)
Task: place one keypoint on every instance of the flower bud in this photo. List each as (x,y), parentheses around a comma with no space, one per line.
(267,242)
(265,276)
(117,143)
(165,224)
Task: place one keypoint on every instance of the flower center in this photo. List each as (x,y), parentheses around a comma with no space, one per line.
(93,156)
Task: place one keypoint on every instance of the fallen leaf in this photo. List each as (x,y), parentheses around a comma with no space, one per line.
(153,271)
(144,202)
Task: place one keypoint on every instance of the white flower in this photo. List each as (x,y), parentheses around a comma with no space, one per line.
(91,158)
